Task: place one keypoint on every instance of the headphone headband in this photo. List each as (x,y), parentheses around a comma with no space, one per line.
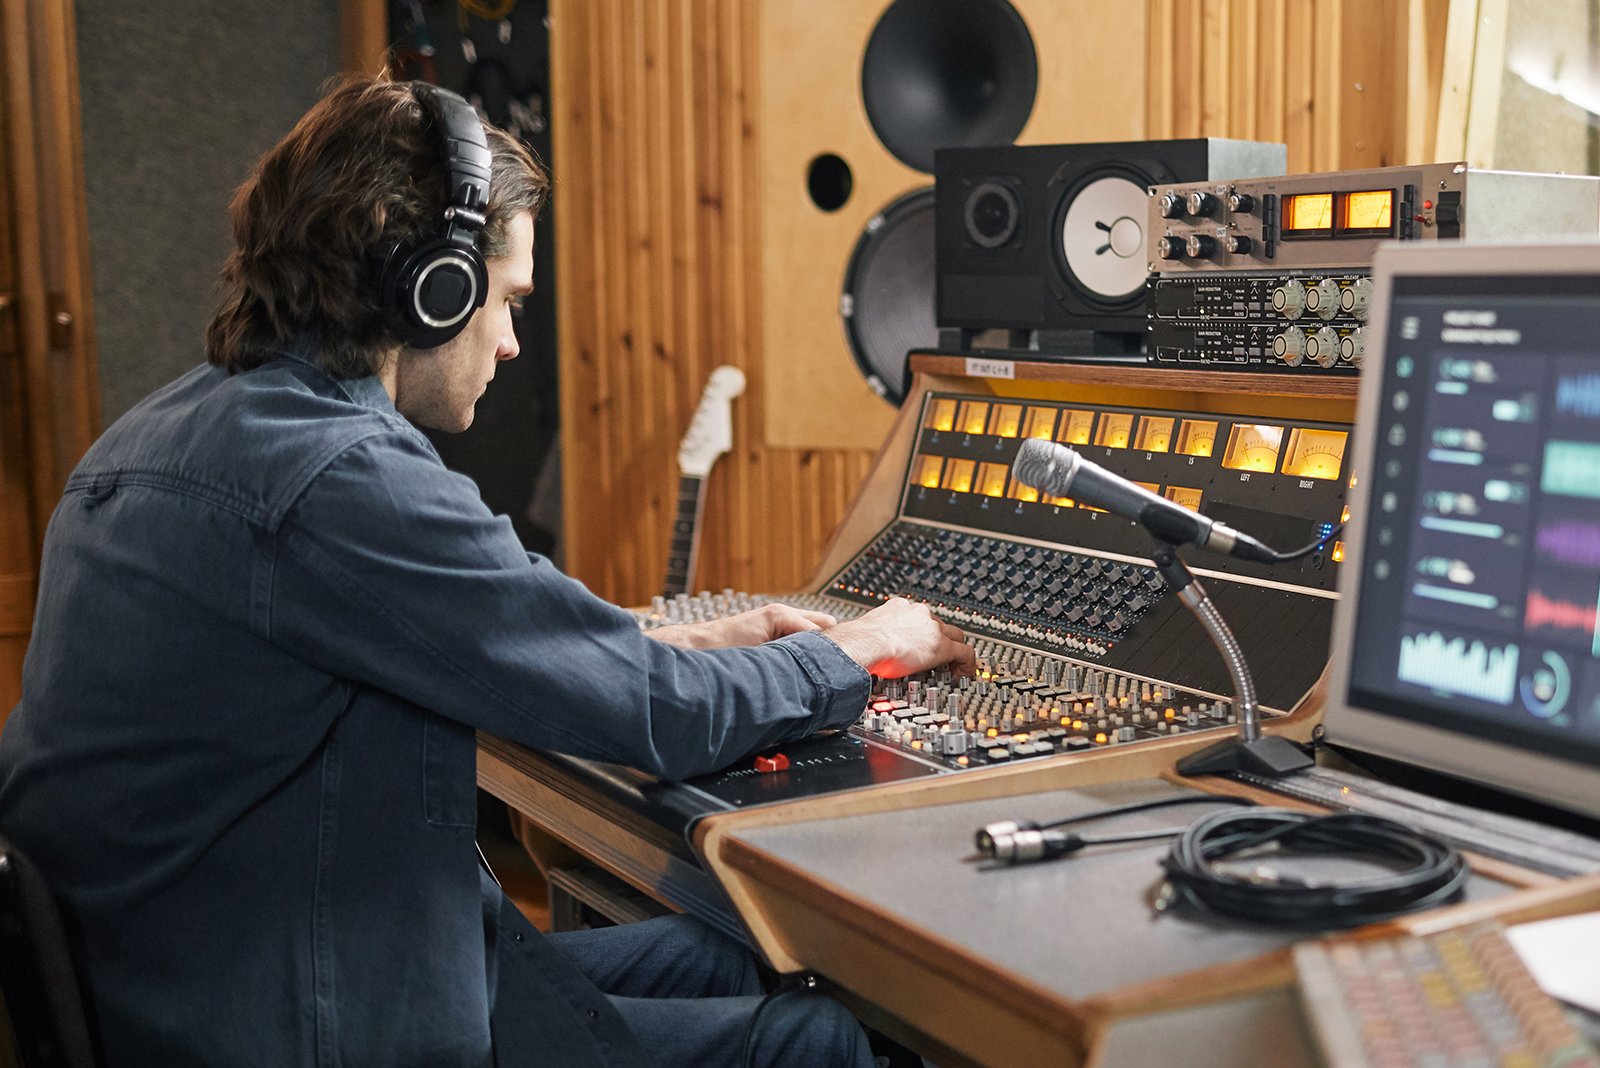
(466,151)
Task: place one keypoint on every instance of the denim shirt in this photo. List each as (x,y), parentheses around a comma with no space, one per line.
(269,623)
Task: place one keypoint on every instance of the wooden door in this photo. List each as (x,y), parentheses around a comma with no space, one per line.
(16,509)
(49,394)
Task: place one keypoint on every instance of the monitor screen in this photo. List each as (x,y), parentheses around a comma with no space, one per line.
(1471,642)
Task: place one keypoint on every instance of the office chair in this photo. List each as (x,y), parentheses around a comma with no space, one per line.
(44,1024)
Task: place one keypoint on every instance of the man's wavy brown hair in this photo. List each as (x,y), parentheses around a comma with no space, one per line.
(363,168)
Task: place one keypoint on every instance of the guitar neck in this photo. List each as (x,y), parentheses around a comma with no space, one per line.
(685,535)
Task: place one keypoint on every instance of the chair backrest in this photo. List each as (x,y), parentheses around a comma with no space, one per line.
(43,1002)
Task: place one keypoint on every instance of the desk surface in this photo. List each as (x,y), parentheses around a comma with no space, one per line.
(1050,960)
(1076,928)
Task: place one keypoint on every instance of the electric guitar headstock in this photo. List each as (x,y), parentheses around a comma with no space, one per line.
(710,432)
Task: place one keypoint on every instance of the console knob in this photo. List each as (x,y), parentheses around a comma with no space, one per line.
(1201,246)
(1289,299)
(1201,203)
(1241,203)
(1238,244)
(1324,346)
(1170,248)
(1171,206)
(1354,298)
(1323,298)
(1290,346)
(1351,347)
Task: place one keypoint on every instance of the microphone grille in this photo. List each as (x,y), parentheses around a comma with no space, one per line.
(1038,461)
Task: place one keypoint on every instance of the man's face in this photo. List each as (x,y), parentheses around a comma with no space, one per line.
(439,388)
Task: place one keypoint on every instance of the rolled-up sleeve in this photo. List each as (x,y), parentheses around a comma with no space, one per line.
(387,569)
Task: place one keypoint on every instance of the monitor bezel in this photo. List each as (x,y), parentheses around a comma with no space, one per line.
(1565,784)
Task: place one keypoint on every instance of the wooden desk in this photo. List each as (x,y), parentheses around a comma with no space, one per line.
(1061,964)
(1053,964)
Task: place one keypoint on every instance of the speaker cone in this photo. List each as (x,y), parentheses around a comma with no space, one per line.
(888,299)
(1100,240)
(948,73)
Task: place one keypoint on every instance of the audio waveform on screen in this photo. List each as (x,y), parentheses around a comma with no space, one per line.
(1571,469)
(1571,541)
(1453,665)
(1545,611)
(1579,395)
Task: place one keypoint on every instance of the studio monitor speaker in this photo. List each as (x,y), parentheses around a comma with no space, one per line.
(852,100)
(1051,237)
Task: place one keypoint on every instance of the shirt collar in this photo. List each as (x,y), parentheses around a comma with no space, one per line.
(366,391)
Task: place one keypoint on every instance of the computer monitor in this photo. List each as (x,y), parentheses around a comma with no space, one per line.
(1466,640)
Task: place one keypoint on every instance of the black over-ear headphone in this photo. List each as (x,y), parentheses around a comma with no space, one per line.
(428,289)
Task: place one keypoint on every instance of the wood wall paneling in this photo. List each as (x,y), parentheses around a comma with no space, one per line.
(1345,84)
(656,181)
(682,132)
(364,35)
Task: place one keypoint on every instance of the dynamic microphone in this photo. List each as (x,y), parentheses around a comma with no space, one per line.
(1060,472)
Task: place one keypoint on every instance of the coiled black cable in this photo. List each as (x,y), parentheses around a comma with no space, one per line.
(1432,872)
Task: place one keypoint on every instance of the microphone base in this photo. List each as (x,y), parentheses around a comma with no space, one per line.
(1270,756)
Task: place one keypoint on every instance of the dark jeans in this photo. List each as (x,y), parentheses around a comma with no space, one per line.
(693,999)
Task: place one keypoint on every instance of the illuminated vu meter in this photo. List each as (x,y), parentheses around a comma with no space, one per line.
(1360,213)
(1483,554)
(1286,478)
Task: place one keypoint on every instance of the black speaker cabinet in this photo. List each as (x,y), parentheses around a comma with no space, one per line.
(1051,237)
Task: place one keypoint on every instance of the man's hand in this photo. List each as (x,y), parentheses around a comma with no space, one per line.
(747,628)
(899,638)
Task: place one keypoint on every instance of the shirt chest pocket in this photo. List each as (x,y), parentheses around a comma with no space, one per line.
(449,773)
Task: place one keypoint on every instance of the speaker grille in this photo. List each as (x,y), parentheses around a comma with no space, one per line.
(888,300)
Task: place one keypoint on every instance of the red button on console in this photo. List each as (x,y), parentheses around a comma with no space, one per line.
(775,762)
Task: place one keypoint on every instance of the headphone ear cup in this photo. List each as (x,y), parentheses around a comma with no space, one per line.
(429,292)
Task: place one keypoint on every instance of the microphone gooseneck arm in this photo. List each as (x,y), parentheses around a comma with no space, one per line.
(1193,595)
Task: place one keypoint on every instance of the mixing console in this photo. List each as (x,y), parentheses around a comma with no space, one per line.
(1080,646)
(1019,704)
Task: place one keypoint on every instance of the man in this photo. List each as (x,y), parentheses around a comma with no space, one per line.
(270,621)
